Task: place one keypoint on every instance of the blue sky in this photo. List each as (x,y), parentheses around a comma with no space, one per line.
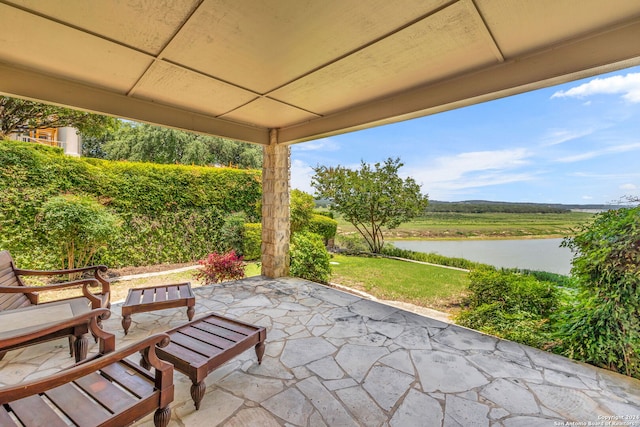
(574,143)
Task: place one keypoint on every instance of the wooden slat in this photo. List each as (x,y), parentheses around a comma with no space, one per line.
(148,296)
(82,410)
(33,411)
(221,332)
(185,291)
(185,354)
(210,339)
(8,277)
(229,324)
(172,292)
(195,344)
(102,390)
(5,418)
(134,297)
(161,294)
(128,379)
(14,301)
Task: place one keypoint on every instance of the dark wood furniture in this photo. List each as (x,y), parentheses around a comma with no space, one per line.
(14,295)
(38,323)
(141,300)
(200,346)
(106,390)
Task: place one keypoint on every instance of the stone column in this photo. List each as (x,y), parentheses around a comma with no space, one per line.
(275,208)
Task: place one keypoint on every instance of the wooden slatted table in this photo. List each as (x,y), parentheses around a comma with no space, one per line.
(141,300)
(200,346)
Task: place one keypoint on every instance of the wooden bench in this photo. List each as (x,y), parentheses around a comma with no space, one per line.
(200,346)
(106,390)
(14,295)
(153,298)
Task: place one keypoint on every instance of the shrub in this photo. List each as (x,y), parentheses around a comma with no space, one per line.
(232,233)
(220,267)
(510,305)
(252,241)
(301,205)
(309,257)
(602,326)
(76,228)
(323,226)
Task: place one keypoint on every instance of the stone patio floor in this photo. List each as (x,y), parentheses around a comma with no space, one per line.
(336,359)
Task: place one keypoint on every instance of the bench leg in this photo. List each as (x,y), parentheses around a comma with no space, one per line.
(162,416)
(126,323)
(190,312)
(260,351)
(81,345)
(197,393)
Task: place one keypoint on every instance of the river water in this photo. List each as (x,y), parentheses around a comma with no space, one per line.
(532,254)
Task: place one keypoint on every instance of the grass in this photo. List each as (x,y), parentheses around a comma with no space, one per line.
(441,225)
(424,285)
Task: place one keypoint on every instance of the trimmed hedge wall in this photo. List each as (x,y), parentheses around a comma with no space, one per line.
(170,213)
(252,241)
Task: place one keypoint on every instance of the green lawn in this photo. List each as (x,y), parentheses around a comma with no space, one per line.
(428,286)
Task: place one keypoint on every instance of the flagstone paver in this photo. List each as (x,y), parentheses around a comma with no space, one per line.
(336,359)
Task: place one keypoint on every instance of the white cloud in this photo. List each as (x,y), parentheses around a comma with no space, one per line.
(301,174)
(597,153)
(325,144)
(556,137)
(587,197)
(471,170)
(628,187)
(628,86)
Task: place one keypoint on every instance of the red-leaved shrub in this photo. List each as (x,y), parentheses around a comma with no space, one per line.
(220,267)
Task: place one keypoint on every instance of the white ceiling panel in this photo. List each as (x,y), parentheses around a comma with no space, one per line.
(442,45)
(520,27)
(172,85)
(269,113)
(147,25)
(262,44)
(59,50)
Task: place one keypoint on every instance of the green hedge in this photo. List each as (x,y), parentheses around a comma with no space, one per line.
(170,213)
(252,241)
(323,226)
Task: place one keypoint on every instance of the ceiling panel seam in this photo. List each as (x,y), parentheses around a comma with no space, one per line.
(487,31)
(365,45)
(160,54)
(77,28)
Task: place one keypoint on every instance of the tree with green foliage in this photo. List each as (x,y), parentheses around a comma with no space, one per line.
(21,115)
(371,198)
(302,205)
(603,325)
(146,143)
(77,227)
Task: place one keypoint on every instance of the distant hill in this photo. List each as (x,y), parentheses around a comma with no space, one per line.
(484,206)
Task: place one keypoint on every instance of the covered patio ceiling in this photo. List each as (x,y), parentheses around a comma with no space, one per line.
(238,68)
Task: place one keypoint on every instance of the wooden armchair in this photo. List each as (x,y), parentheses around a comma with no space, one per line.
(106,390)
(22,300)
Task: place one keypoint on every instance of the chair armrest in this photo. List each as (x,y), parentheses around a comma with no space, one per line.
(85,283)
(163,373)
(107,340)
(97,269)
(56,286)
